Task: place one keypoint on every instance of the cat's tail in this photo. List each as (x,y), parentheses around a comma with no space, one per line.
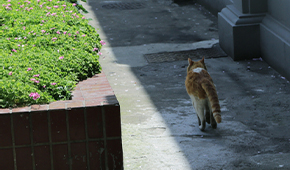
(210,90)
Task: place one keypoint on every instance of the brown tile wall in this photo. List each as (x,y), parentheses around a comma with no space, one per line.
(82,133)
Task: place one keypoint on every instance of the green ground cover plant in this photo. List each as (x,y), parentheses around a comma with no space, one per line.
(46,47)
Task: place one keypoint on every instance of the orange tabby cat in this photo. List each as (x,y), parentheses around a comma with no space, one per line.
(202,92)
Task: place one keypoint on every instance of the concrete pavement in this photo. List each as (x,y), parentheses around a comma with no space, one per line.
(159,125)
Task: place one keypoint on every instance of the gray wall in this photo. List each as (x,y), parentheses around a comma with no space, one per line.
(280,10)
(275,36)
(214,6)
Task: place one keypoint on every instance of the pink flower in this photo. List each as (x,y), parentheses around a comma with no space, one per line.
(69,34)
(83,18)
(14,50)
(53,84)
(36,81)
(54,38)
(24,37)
(61,57)
(38,1)
(40,6)
(53,14)
(34,95)
(32,79)
(44,86)
(64,5)
(102,42)
(95,49)
(29,69)
(43,31)
(84,35)
(8,0)
(48,7)
(56,6)
(21,6)
(100,53)
(74,4)
(64,32)
(24,28)
(10,73)
(37,75)
(57,32)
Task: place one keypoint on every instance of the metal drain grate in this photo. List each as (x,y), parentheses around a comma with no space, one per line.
(197,54)
(124,5)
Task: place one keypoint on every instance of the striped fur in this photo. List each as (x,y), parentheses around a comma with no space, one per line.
(202,91)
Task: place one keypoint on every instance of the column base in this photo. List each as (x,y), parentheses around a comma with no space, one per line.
(239,34)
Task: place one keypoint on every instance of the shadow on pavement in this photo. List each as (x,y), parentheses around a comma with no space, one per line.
(247,128)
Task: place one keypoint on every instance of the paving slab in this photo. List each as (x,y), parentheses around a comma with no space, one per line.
(159,124)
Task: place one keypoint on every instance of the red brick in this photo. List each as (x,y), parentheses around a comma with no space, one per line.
(4,111)
(58,125)
(21,109)
(21,128)
(42,157)
(74,104)
(39,107)
(57,105)
(60,157)
(115,160)
(79,156)
(97,155)
(40,127)
(7,160)
(112,121)
(76,124)
(24,158)
(94,122)
(5,131)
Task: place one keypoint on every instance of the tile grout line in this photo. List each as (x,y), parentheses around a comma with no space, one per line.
(49,138)
(68,140)
(13,141)
(59,143)
(31,141)
(87,139)
(105,138)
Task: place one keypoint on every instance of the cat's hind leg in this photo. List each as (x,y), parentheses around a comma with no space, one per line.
(207,113)
(199,108)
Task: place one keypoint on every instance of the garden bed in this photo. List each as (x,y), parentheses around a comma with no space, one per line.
(53,115)
(46,48)
(82,133)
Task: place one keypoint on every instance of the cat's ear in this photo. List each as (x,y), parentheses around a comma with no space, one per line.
(190,62)
(202,60)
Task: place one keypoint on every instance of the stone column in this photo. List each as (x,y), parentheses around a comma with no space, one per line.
(239,28)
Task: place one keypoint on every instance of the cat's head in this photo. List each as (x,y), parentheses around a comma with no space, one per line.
(195,64)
